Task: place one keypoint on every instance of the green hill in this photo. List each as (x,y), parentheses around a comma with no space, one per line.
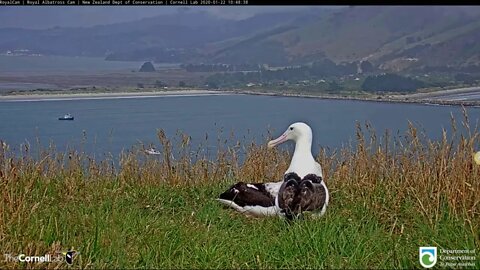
(384,35)
(393,38)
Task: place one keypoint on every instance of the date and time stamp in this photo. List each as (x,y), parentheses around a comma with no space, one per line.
(124,2)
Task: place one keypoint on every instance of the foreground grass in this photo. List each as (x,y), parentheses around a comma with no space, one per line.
(116,226)
(385,204)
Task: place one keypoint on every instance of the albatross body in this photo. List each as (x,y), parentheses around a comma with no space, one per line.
(303,188)
(307,193)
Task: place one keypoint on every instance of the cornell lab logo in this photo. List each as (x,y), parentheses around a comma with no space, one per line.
(69,255)
(428,256)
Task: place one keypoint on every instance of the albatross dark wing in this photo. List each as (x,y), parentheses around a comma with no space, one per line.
(312,196)
(248,194)
(288,195)
(295,196)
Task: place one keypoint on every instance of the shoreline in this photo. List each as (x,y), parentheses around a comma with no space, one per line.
(418,98)
(433,102)
(106,95)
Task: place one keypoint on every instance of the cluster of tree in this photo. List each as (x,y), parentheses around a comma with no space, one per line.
(466,78)
(391,83)
(447,69)
(220,67)
(147,67)
(317,70)
(411,39)
(159,83)
(327,67)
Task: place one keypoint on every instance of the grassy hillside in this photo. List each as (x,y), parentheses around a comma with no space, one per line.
(382,34)
(389,196)
(142,39)
(392,37)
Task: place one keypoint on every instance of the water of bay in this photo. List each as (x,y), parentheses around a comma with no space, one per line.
(108,126)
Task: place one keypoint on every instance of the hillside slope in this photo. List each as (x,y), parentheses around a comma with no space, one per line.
(435,35)
(145,38)
(391,37)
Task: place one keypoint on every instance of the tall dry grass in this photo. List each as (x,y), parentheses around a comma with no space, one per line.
(383,173)
(434,178)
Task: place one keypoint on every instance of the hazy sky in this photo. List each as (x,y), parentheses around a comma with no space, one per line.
(50,16)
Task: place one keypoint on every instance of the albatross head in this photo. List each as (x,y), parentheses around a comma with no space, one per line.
(296,132)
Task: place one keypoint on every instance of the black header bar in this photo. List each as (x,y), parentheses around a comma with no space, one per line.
(163,2)
(123,2)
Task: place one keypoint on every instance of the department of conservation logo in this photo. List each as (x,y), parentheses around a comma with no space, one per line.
(427,256)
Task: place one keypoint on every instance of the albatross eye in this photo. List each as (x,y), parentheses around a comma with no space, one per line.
(291,128)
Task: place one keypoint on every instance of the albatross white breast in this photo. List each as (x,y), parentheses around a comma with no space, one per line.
(303,188)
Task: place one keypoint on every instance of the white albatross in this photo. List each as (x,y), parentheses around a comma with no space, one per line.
(261,199)
(303,188)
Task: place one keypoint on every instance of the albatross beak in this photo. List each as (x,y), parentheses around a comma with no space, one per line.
(277,141)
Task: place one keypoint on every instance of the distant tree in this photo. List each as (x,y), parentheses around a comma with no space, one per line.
(465,78)
(325,67)
(470,69)
(346,68)
(367,67)
(391,83)
(182,84)
(334,86)
(140,85)
(317,70)
(212,85)
(409,40)
(159,83)
(147,67)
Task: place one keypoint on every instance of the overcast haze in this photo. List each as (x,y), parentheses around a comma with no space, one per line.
(51,16)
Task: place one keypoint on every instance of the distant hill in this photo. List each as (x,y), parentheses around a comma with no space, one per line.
(388,36)
(171,33)
(161,31)
(393,38)
(34,17)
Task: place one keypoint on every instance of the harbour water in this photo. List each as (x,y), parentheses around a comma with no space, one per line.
(108,126)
